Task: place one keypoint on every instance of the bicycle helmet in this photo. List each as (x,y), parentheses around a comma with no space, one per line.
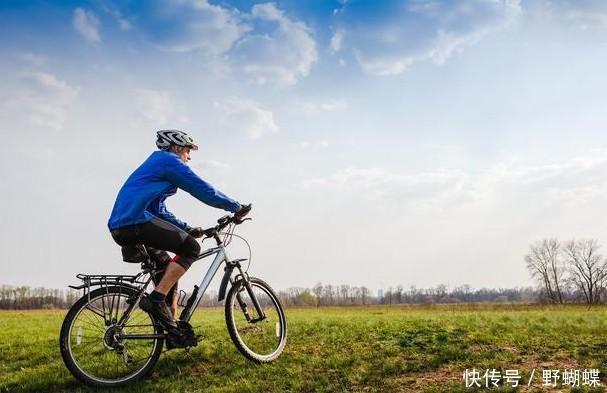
(166,138)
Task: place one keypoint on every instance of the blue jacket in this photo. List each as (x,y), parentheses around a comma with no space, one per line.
(142,196)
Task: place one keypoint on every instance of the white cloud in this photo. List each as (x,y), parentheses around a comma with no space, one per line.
(86,23)
(377,183)
(586,15)
(123,23)
(574,181)
(325,106)
(550,172)
(33,59)
(555,181)
(425,30)
(158,107)
(245,116)
(580,195)
(265,45)
(194,25)
(283,55)
(42,100)
(316,145)
(586,20)
(336,41)
(213,166)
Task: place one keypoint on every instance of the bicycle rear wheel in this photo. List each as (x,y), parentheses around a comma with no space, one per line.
(259,339)
(94,348)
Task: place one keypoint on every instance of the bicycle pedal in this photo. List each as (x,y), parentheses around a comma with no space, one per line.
(182,338)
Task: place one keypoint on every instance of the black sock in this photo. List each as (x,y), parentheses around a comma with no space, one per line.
(157,296)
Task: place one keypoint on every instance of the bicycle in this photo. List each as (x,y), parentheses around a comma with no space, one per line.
(106,340)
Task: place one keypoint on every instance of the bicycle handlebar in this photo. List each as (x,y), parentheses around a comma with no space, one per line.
(236,218)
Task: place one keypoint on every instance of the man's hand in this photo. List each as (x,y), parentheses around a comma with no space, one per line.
(196,232)
(244,210)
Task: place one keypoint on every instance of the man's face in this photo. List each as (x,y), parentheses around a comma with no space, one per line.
(183,153)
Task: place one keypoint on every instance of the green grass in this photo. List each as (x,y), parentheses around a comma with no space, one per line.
(374,349)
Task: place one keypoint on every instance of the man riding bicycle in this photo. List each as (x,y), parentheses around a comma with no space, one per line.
(140,217)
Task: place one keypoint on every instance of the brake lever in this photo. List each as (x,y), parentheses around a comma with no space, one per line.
(240,221)
(223,219)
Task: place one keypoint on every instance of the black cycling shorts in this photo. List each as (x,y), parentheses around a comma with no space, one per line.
(161,235)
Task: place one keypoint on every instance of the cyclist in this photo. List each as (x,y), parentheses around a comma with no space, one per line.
(140,217)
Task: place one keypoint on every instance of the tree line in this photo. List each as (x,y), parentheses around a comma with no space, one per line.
(345,295)
(24,297)
(320,295)
(565,272)
(573,271)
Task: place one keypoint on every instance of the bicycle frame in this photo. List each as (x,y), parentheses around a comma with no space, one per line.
(198,293)
(199,290)
(195,297)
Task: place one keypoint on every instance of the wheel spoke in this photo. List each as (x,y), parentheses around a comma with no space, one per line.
(95,349)
(93,325)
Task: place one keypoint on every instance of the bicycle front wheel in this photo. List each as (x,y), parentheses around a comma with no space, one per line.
(260,338)
(100,352)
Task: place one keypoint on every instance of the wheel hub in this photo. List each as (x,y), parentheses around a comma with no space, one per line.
(111,338)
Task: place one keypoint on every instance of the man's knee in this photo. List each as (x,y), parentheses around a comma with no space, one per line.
(189,251)
(190,248)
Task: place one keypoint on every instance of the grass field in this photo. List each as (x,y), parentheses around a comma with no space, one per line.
(359,349)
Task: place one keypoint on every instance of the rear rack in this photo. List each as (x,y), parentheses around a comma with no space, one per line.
(89,280)
(105,281)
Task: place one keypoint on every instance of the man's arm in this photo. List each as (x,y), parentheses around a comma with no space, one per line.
(183,177)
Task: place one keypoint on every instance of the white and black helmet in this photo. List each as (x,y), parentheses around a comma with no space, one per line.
(166,138)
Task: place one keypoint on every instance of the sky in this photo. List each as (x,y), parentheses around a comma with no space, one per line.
(418,142)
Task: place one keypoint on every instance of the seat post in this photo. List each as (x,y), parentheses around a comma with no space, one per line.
(147,263)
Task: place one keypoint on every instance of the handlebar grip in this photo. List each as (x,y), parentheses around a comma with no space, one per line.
(244,210)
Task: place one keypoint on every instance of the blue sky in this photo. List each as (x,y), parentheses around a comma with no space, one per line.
(396,142)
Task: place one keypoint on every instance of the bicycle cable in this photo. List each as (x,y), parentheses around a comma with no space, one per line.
(232,234)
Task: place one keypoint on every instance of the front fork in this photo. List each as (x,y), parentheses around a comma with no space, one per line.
(243,305)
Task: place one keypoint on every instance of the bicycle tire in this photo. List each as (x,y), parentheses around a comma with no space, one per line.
(68,355)
(231,309)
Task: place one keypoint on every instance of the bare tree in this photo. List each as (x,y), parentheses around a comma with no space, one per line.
(344,290)
(329,293)
(364,294)
(440,292)
(545,264)
(318,290)
(588,268)
(398,292)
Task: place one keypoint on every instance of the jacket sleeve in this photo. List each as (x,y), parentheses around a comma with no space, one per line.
(158,208)
(183,177)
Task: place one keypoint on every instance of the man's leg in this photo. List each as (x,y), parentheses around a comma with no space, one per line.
(162,259)
(173,273)
(163,235)
(174,297)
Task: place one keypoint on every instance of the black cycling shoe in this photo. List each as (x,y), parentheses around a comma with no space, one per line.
(160,310)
